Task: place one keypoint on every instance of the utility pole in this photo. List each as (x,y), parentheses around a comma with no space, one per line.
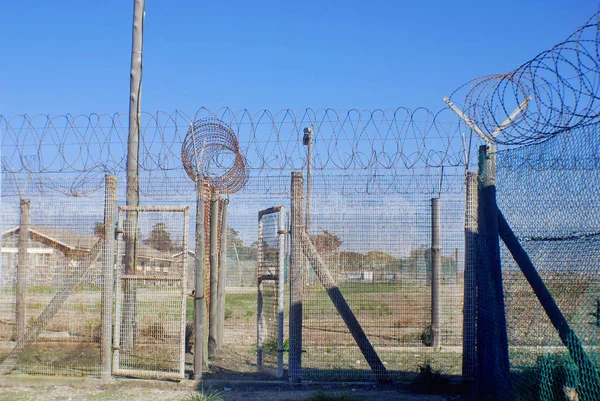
(133,149)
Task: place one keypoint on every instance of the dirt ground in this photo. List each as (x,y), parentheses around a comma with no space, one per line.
(58,388)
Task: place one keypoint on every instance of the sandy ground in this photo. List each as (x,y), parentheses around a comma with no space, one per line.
(56,388)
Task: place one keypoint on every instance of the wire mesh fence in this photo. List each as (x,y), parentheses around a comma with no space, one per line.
(150,301)
(62,268)
(549,195)
(377,249)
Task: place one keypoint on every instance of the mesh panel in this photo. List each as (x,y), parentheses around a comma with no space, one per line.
(59,272)
(150,324)
(377,248)
(549,195)
(270,323)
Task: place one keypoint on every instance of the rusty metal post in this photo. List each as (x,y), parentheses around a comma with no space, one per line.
(199,290)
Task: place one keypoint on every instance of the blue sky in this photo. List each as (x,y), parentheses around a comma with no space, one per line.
(74,56)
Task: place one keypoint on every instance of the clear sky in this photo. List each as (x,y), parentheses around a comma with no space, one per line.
(69,56)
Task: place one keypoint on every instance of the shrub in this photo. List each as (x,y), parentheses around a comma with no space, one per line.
(321,395)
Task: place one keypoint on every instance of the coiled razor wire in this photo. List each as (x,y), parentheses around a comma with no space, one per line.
(558,91)
(562,85)
(211,150)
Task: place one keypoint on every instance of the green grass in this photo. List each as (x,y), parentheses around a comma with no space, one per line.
(237,306)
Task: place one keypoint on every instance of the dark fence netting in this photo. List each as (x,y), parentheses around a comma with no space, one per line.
(550,196)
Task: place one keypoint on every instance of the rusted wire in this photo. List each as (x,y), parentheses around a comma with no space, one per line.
(211,149)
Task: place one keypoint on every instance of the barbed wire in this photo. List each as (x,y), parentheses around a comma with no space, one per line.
(346,140)
(562,85)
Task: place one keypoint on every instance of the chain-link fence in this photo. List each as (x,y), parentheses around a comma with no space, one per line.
(550,196)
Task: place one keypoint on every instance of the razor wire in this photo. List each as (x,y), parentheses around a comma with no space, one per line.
(42,150)
(557,91)
(344,139)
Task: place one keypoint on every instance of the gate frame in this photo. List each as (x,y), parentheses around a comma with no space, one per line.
(280,278)
(140,373)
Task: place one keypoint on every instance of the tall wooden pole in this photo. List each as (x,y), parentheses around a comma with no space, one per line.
(133,193)
(108,261)
(199,289)
(214,267)
(22,269)
(296,278)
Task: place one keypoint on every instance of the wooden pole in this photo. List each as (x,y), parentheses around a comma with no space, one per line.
(214,268)
(493,365)
(108,263)
(296,278)
(222,278)
(469,285)
(21,283)
(199,290)
(133,189)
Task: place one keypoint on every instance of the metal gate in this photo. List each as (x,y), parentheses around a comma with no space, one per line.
(150,300)
(271,258)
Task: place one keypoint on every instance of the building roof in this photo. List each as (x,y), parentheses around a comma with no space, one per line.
(81,242)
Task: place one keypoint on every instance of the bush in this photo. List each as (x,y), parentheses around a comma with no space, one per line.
(430,380)
(321,395)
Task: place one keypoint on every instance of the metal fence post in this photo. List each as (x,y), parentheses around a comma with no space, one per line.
(436,247)
(108,259)
(21,283)
(469,284)
(296,278)
(199,290)
(222,279)
(493,368)
(214,267)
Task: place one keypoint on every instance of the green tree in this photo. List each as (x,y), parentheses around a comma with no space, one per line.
(99,229)
(326,242)
(159,238)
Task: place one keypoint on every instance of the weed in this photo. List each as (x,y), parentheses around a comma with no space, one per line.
(426,335)
(228,313)
(430,380)
(384,310)
(270,346)
(210,395)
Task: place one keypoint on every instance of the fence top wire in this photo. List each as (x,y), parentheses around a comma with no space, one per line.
(562,83)
(343,140)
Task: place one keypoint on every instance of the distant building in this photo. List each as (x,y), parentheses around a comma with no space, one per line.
(53,252)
